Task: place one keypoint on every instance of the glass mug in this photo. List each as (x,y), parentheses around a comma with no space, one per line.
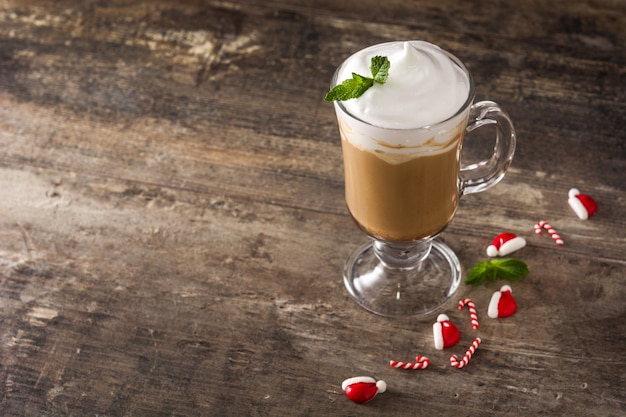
(402,197)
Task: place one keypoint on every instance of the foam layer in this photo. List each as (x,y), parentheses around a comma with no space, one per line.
(424,86)
(417,111)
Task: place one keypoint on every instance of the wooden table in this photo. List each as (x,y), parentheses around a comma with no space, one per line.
(173,226)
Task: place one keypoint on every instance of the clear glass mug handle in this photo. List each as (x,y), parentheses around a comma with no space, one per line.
(487,173)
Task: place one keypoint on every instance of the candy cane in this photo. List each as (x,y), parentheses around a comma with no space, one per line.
(468,355)
(550,230)
(472,310)
(421,362)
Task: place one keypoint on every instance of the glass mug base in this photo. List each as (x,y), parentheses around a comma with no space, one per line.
(423,281)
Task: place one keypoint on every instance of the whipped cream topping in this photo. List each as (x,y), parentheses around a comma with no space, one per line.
(424,86)
(418,109)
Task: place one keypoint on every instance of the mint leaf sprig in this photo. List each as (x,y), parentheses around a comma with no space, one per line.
(357,85)
(506,268)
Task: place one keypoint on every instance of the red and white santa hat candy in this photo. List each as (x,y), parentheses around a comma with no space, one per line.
(502,303)
(445,333)
(361,389)
(505,243)
(583,205)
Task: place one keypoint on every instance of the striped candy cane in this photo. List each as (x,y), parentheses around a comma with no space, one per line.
(472,310)
(468,355)
(542,224)
(421,362)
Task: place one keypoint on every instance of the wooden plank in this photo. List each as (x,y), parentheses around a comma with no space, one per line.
(173,228)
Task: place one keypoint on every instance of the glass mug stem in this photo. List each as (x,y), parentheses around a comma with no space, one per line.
(402,255)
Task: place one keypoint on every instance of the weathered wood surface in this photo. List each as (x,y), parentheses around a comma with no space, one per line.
(173,230)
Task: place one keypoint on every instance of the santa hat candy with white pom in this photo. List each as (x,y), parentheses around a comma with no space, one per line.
(583,205)
(505,243)
(445,333)
(361,389)
(502,303)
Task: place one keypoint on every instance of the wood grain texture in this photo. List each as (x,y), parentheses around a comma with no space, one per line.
(173,228)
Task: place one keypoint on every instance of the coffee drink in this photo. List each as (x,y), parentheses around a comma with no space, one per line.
(402,131)
(402,198)
(401,141)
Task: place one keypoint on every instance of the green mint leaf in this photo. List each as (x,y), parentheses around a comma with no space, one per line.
(351,88)
(510,269)
(506,268)
(380,68)
(357,85)
(479,273)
